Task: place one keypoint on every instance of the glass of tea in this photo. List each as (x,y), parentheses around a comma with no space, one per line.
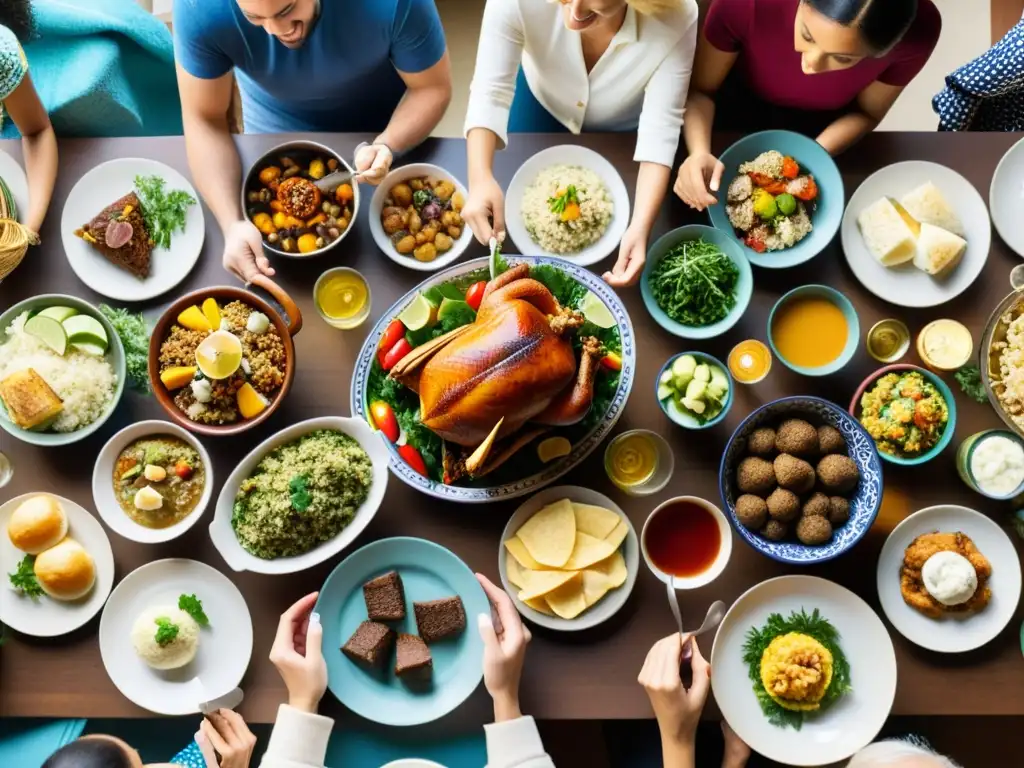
(639,462)
(687,538)
(342,298)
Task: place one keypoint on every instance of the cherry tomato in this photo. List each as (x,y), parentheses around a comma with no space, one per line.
(756,245)
(384,419)
(612,362)
(394,331)
(475,294)
(412,458)
(809,192)
(183,470)
(401,348)
(790,168)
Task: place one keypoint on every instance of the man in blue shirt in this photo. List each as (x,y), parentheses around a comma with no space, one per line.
(377,66)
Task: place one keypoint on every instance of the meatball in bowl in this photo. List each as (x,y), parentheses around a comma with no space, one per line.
(801,480)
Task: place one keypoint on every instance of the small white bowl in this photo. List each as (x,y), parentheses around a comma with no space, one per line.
(103,488)
(724,550)
(383,242)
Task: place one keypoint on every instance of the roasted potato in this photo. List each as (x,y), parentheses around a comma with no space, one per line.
(451,219)
(458,201)
(455,232)
(406,245)
(442,242)
(426,252)
(401,193)
(429,231)
(444,190)
(416,184)
(415,222)
(393,223)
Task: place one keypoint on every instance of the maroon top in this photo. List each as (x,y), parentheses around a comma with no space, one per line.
(761,31)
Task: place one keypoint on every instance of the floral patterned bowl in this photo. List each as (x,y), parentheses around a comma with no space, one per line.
(863,505)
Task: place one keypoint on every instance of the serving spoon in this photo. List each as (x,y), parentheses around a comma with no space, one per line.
(714,616)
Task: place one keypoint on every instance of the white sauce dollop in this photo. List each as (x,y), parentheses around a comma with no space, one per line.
(997,465)
(201,390)
(949,578)
(257,323)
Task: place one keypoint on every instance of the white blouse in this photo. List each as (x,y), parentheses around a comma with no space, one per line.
(639,83)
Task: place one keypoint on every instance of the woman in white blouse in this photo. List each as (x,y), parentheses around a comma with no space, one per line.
(594,65)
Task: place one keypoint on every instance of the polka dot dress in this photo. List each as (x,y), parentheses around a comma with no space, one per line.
(190,757)
(986,94)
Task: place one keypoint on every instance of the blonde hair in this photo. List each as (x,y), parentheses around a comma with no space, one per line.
(654,7)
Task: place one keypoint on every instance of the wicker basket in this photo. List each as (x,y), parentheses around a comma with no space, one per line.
(15,238)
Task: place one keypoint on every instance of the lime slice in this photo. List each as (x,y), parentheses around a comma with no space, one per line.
(90,348)
(83,329)
(219,355)
(48,331)
(419,314)
(596,311)
(553,448)
(60,314)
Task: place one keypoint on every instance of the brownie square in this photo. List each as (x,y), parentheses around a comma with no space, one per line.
(385,597)
(370,644)
(437,619)
(413,657)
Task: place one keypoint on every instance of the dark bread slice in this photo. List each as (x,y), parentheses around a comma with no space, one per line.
(437,619)
(134,255)
(385,597)
(370,644)
(413,657)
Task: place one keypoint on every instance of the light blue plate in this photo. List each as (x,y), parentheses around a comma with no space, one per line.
(744,286)
(428,571)
(852,327)
(685,419)
(828,213)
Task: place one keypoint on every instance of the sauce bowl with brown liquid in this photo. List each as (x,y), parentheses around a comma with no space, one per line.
(688,540)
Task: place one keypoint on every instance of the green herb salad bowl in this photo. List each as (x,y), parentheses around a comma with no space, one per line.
(742,292)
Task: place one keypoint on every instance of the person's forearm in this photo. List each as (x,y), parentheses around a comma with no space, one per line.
(416,115)
(216,169)
(651,185)
(678,752)
(506,708)
(481,144)
(846,131)
(700,117)
(40,152)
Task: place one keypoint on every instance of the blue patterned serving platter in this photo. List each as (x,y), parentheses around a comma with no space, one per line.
(479,491)
(864,504)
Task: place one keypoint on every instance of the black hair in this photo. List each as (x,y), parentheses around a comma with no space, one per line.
(16,15)
(89,753)
(881,23)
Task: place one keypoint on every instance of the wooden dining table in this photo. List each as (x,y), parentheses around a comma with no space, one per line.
(586,675)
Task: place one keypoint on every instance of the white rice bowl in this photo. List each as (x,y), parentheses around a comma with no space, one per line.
(177,653)
(547,229)
(85,383)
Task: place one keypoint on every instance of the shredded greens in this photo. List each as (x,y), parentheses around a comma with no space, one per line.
(164,212)
(695,283)
(193,606)
(24,578)
(813,625)
(969,379)
(131,329)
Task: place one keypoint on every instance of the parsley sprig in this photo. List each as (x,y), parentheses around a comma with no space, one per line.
(164,212)
(969,379)
(193,606)
(24,578)
(298,488)
(558,204)
(166,630)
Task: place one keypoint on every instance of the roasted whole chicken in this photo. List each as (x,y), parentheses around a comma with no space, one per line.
(493,386)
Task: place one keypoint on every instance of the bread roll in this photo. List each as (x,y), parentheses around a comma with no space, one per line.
(37,524)
(886,233)
(66,571)
(938,250)
(928,205)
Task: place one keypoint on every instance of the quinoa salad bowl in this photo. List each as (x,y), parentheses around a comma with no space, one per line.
(301,496)
(70,374)
(781,196)
(222,359)
(568,202)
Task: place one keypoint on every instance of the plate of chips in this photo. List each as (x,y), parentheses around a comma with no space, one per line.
(569,558)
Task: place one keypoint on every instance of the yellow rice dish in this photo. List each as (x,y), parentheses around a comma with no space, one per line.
(796,671)
(905,414)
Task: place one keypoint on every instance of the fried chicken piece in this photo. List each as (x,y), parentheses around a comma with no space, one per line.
(923,547)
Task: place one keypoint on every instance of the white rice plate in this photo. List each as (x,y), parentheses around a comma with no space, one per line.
(547,229)
(85,383)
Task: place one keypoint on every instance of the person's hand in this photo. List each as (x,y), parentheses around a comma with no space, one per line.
(243,252)
(632,255)
(737,753)
(297,653)
(373,161)
(504,651)
(225,733)
(699,176)
(676,709)
(484,211)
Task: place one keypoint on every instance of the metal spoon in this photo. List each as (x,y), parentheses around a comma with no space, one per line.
(711,620)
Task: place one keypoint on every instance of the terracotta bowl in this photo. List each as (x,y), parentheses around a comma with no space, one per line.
(286,328)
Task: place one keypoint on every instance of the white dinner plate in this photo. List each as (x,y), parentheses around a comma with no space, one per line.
(905,285)
(225,646)
(1006,198)
(851,722)
(568,154)
(14,175)
(412,762)
(44,616)
(953,634)
(100,187)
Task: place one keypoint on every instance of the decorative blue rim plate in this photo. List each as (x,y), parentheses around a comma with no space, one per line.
(428,571)
(863,506)
(551,472)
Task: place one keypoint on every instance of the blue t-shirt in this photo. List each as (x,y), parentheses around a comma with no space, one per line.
(344,76)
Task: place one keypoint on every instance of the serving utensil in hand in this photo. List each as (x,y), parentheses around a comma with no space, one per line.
(673,602)
(229,700)
(332,181)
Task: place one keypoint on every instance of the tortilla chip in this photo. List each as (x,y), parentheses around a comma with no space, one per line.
(614,568)
(618,535)
(568,601)
(540,583)
(595,521)
(513,571)
(518,551)
(540,605)
(550,534)
(588,551)
(595,586)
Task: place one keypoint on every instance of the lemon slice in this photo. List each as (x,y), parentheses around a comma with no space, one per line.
(219,355)
(553,448)
(419,314)
(596,311)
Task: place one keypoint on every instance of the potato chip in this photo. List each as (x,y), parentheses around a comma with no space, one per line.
(595,521)
(540,583)
(568,601)
(614,568)
(587,551)
(618,535)
(518,551)
(596,585)
(540,605)
(550,535)
(513,571)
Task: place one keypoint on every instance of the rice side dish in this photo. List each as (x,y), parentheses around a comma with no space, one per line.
(567,208)
(1010,387)
(85,383)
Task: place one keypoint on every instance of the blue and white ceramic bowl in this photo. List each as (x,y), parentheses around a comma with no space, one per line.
(685,419)
(864,504)
(828,213)
(852,328)
(481,491)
